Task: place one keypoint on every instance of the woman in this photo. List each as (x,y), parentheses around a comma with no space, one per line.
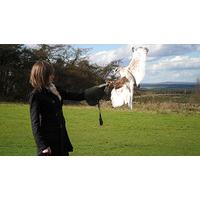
(47,120)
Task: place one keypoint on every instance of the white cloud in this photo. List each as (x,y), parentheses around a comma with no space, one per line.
(104,57)
(173,76)
(177,63)
(172,49)
(178,68)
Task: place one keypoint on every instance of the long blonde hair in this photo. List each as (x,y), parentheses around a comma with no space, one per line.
(40,73)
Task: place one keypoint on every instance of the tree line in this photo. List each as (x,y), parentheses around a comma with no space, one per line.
(73,71)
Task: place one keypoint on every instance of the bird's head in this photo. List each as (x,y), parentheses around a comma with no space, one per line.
(140,51)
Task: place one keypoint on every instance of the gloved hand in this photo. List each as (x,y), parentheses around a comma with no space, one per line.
(94,94)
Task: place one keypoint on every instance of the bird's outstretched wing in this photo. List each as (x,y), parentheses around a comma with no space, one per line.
(137,65)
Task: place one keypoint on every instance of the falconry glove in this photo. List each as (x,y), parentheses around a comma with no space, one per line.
(94,94)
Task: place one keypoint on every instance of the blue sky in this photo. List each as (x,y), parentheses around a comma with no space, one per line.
(165,62)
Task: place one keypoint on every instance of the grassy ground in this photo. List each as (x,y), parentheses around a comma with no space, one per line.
(124,132)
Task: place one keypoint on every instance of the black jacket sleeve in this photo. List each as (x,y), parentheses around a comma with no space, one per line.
(35,121)
(66,95)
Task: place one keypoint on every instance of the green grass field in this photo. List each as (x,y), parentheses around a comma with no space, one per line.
(124,132)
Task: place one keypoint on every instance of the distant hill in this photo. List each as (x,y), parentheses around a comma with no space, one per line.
(168,85)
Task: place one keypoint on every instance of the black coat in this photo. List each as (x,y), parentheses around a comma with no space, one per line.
(47,120)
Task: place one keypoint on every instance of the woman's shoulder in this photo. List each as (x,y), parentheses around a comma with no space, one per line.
(34,94)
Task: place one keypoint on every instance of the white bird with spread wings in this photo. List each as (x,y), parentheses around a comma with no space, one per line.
(128,78)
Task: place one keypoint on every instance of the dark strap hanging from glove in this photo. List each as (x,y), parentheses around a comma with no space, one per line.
(93,96)
(100,117)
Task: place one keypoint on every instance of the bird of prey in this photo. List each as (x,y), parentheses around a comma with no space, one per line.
(127,78)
